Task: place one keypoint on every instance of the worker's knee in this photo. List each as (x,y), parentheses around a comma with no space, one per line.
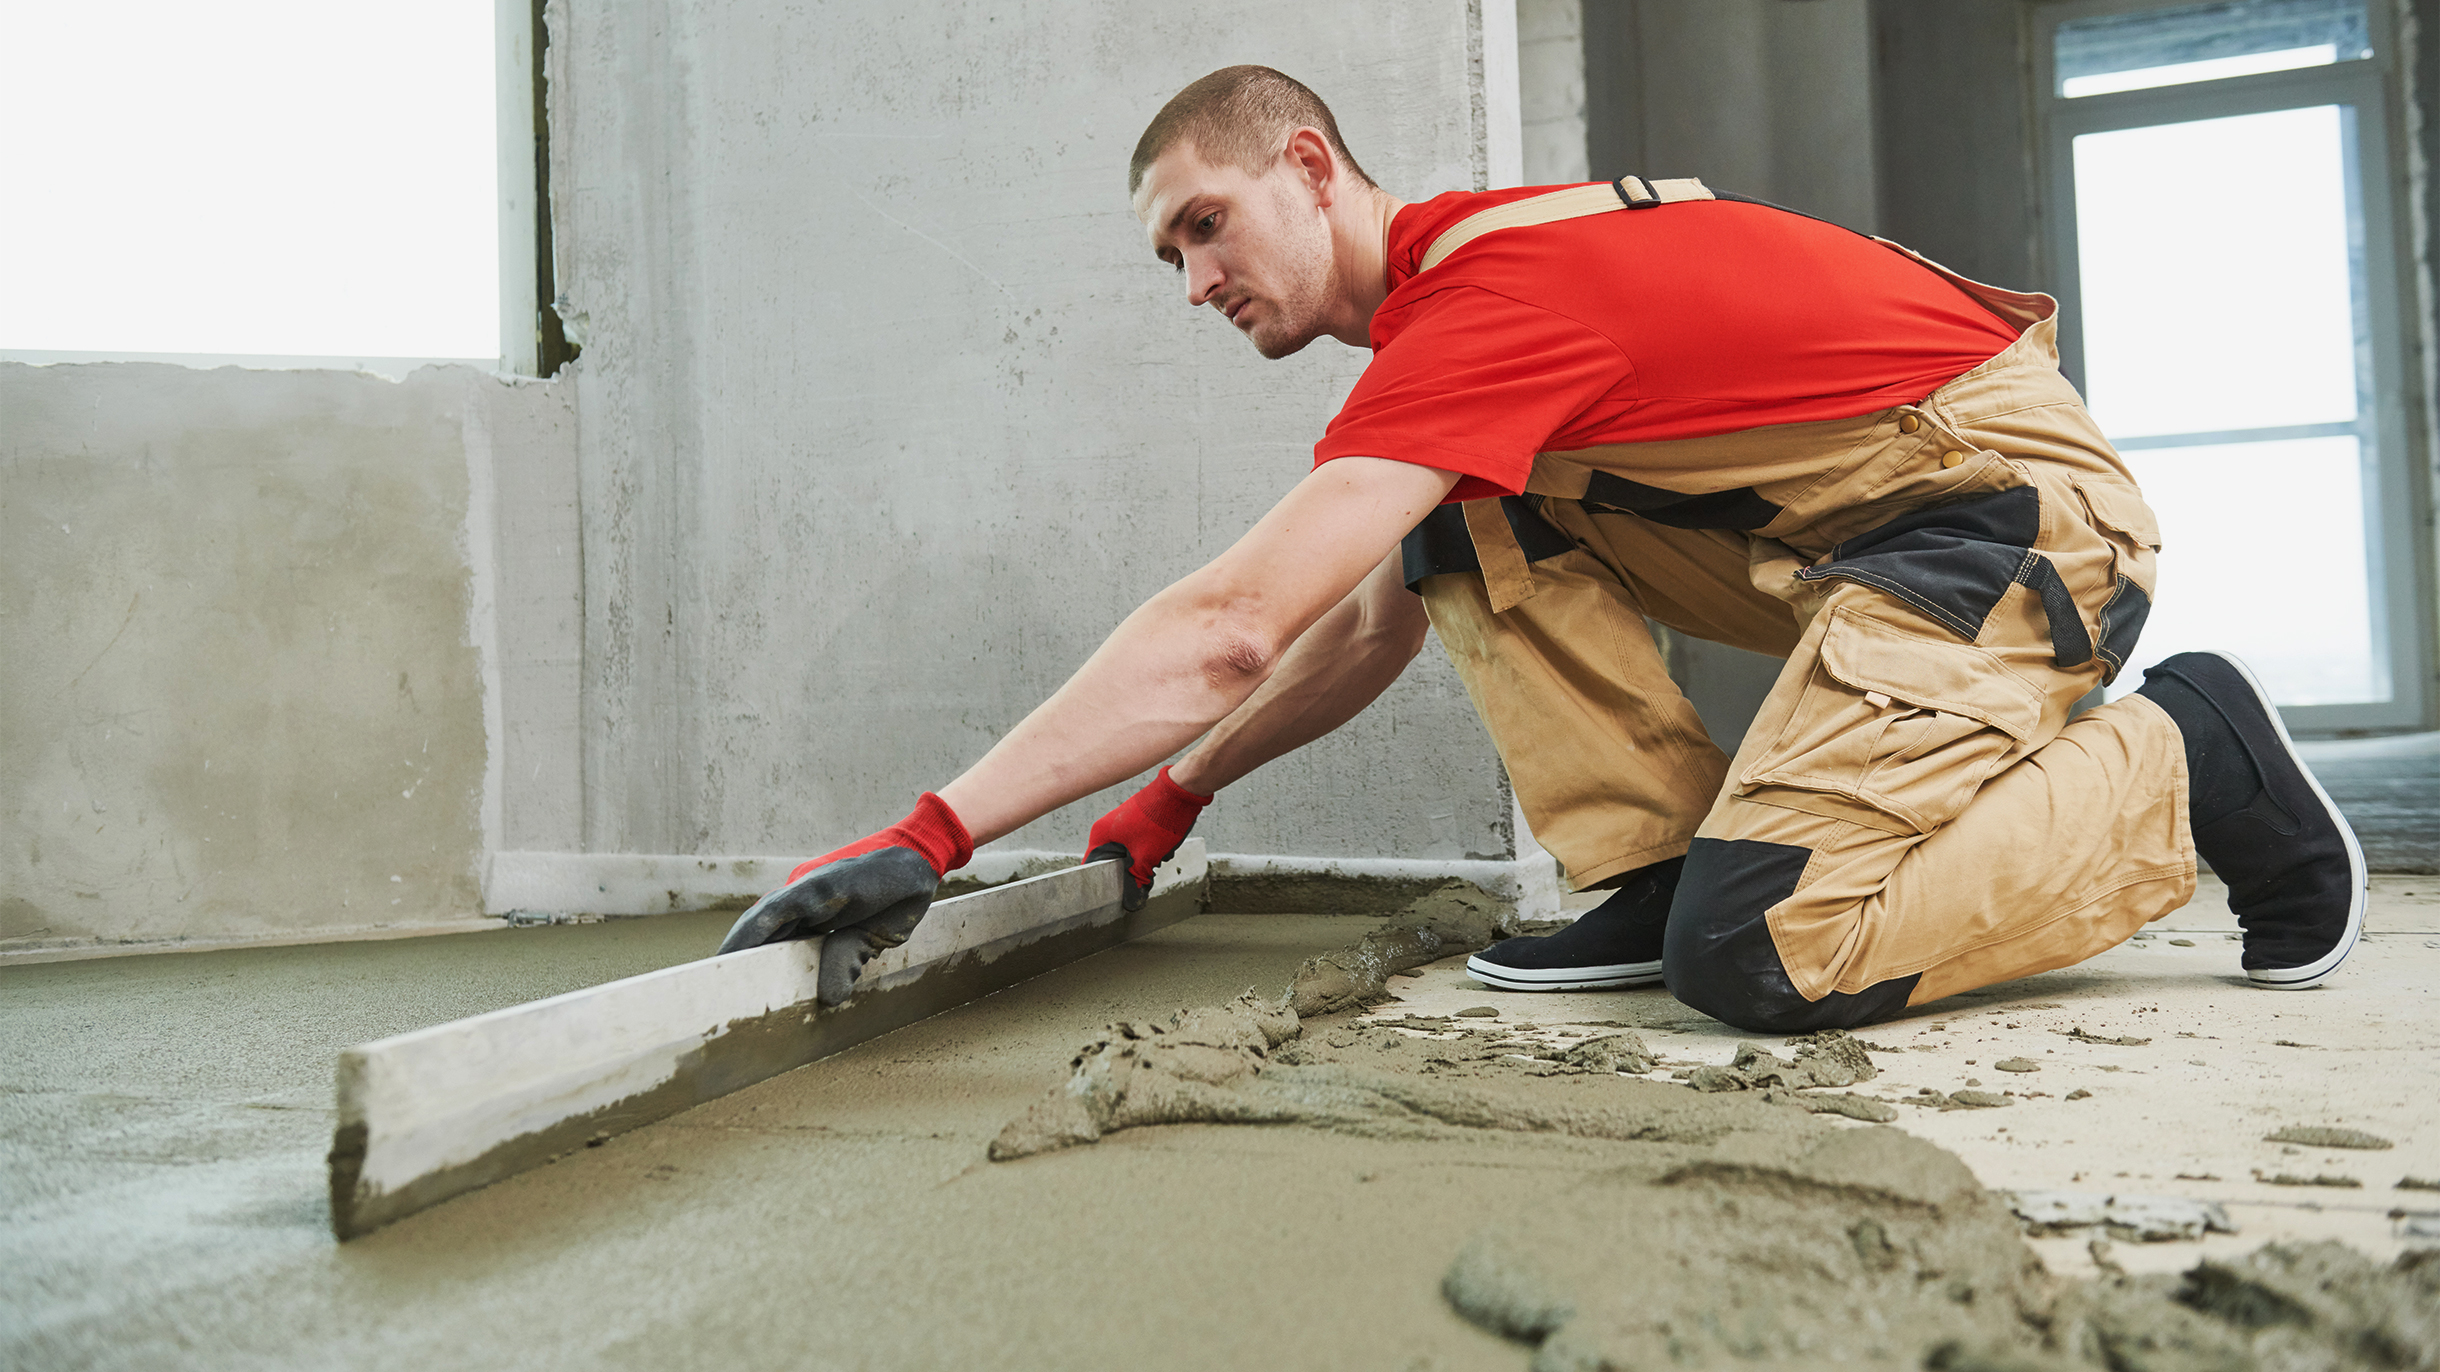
(1718,956)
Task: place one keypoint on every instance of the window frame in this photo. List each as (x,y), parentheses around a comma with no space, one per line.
(2397,555)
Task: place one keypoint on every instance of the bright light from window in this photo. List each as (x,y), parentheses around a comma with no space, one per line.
(2213,309)
(282,177)
(2210,69)
(2211,302)
(2263,555)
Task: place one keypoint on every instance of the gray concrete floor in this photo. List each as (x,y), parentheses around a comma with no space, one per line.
(163,1122)
(2390,791)
(163,1119)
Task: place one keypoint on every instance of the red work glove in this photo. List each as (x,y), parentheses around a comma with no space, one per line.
(863,898)
(933,830)
(1144,831)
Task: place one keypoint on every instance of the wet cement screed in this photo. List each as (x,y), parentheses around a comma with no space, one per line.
(167,1117)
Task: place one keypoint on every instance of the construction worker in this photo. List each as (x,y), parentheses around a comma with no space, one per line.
(1593,405)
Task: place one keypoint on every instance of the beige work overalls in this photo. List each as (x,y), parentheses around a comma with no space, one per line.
(1912,814)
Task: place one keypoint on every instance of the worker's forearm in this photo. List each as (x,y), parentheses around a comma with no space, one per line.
(1142,696)
(1342,664)
(1196,651)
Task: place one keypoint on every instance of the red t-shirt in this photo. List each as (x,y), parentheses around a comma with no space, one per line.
(1681,321)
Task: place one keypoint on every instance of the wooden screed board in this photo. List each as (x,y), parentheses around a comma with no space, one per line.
(428,1115)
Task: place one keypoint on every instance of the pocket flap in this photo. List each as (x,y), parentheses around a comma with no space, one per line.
(2121,509)
(1929,673)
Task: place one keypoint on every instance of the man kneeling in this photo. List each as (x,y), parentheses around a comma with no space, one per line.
(1592,406)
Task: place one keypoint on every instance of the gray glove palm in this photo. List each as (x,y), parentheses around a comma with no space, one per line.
(860,905)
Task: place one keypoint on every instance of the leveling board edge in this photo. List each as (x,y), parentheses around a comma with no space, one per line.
(435,1113)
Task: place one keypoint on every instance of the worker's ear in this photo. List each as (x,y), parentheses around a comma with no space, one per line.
(1308,158)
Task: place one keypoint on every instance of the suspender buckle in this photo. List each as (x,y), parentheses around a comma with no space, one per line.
(1635,193)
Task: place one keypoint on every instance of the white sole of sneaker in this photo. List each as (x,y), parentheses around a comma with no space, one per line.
(1616,976)
(2311,974)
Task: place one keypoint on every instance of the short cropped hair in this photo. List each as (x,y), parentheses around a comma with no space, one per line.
(1238,116)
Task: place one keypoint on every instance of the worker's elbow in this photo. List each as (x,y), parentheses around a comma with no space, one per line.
(1238,658)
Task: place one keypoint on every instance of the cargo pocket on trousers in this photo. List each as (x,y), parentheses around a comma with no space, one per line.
(1908,726)
(2133,532)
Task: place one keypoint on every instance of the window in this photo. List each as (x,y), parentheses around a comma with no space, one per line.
(284,179)
(2230,284)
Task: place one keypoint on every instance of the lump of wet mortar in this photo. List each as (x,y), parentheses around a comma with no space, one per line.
(1866,1247)
(2324,1136)
(1458,918)
(1711,1077)
(1875,1249)
(1234,1065)
(1829,1058)
(2119,1041)
(2143,1219)
(1610,1053)
(1846,1103)
(2318,1306)
(1151,1073)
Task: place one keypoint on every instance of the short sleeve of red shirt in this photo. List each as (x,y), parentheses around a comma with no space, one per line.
(1474,383)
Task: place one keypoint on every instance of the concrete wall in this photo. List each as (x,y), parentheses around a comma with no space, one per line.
(243,691)
(1952,140)
(885,417)
(888,415)
(1759,96)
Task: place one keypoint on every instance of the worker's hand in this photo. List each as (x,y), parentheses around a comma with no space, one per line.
(862,898)
(1144,831)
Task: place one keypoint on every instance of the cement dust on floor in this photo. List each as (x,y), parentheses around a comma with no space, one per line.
(163,1121)
(2183,1114)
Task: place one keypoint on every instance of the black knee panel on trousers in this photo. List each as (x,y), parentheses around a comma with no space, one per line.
(1718,956)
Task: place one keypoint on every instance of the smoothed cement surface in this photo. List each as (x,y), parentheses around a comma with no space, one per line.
(161,1177)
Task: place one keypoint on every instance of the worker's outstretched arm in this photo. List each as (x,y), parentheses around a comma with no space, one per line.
(1198,650)
(1180,664)
(1342,664)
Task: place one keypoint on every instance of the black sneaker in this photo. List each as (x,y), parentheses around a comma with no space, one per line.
(1616,943)
(2295,873)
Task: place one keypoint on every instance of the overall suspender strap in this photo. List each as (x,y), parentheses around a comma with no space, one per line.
(1572,202)
(1640,194)
(1506,566)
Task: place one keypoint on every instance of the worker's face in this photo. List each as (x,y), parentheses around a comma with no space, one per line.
(1255,248)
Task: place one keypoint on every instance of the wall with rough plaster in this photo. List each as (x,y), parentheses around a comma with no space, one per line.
(885,417)
(888,415)
(242,694)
